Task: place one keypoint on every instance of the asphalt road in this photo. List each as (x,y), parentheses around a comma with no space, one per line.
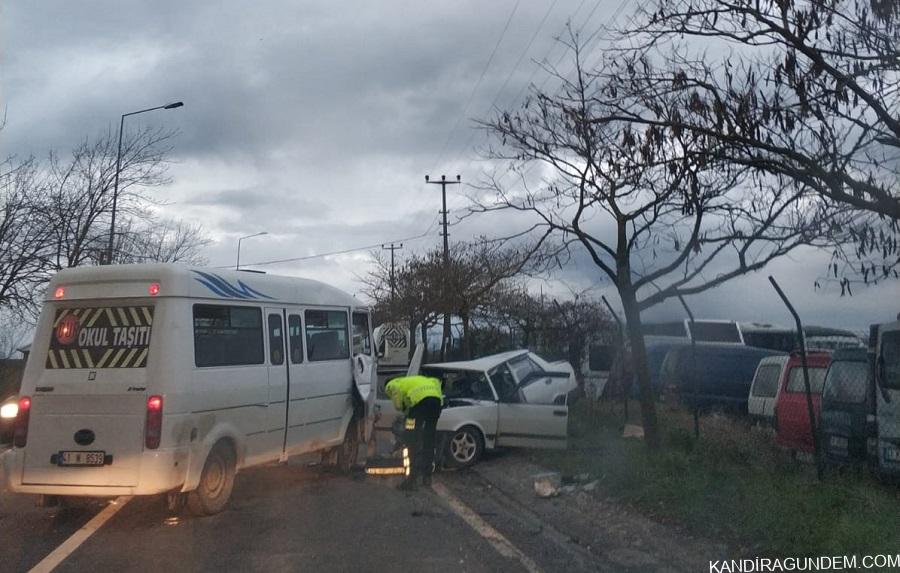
(285,518)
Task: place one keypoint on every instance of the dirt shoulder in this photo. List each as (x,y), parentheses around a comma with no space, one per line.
(592,532)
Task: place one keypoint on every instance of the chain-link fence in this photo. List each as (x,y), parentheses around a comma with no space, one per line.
(826,395)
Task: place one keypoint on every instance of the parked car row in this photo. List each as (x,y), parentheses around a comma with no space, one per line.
(854,394)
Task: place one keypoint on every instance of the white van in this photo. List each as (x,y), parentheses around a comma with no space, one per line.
(765,389)
(884,344)
(146,379)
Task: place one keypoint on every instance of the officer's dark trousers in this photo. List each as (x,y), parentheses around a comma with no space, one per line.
(421,443)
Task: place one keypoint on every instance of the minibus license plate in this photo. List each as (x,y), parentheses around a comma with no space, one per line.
(81,458)
(892,454)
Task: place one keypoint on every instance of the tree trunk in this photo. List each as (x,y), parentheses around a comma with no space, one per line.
(639,361)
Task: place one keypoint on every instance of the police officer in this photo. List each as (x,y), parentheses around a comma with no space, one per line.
(420,399)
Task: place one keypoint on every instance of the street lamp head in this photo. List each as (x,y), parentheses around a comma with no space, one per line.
(173,105)
(426,179)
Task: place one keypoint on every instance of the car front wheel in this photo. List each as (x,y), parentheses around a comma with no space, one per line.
(464,448)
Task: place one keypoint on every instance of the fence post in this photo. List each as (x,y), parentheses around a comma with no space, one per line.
(693,368)
(620,342)
(813,424)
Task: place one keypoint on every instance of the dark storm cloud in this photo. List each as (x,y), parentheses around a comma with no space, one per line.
(314,121)
(310,78)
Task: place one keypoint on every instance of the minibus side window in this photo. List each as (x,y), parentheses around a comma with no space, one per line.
(362,343)
(276,340)
(326,335)
(227,335)
(295,338)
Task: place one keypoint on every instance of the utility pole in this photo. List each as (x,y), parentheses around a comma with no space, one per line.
(392,248)
(445,340)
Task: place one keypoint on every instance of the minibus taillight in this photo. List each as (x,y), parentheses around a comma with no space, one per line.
(153,289)
(59,292)
(153,427)
(20,433)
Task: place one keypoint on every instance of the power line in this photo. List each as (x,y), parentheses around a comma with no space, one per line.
(477,84)
(342,252)
(593,38)
(538,64)
(509,76)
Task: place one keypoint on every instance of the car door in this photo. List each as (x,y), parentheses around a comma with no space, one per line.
(522,424)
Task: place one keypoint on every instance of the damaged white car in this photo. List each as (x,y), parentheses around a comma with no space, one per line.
(512,399)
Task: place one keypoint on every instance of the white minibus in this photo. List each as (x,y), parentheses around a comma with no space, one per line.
(161,378)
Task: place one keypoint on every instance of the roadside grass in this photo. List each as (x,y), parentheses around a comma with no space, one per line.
(733,484)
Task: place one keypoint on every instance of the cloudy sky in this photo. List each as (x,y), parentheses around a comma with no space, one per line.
(317,121)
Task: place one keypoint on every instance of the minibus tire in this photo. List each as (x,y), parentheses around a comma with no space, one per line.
(216,482)
(348,451)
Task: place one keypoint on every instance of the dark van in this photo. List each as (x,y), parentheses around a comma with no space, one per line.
(712,375)
(657,349)
(848,403)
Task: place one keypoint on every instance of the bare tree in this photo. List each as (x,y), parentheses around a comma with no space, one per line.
(654,210)
(415,296)
(80,190)
(14,333)
(145,238)
(479,268)
(24,236)
(805,90)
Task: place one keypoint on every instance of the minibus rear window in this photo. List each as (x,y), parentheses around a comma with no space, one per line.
(100,337)
(227,335)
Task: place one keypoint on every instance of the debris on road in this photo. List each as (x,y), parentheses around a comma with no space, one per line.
(547,484)
(633,431)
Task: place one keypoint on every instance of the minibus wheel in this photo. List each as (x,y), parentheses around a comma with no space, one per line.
(216,482)
(348,451)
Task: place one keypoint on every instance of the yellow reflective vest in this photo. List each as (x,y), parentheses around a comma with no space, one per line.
(407,391)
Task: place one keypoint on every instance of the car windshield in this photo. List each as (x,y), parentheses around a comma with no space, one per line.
(847,381)
(523,368)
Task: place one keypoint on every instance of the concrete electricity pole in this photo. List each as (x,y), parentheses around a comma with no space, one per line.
(392,248)
(445,340)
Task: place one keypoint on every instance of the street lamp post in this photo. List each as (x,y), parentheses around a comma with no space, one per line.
(112,224)
(237,265)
